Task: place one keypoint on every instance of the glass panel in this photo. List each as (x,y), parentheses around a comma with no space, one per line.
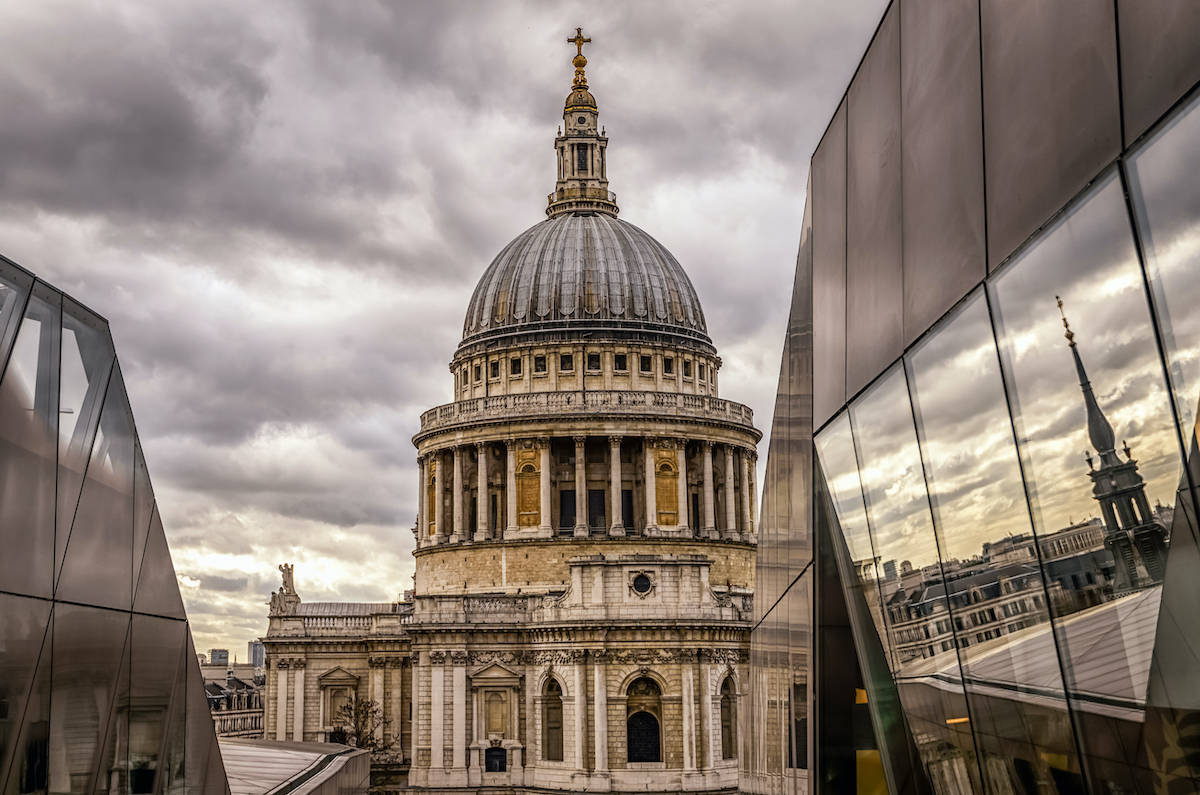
(1046,137)
(915,605)
(14,289)
(157,588)
(200,731)
(28,426)
(172,776)
(990,559)
(97,566)
(89,649)
(87,357)
(143,506)
(1083,406)
(828,198)
(1160,58)
(23,636)
(874,278)
(942,162)
(157,644)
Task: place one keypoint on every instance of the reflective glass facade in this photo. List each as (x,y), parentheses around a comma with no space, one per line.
(979,562)
(100,689)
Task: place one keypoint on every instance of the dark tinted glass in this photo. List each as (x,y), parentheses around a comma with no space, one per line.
(1160,57)
(24,697)
(14,291)
(28,429)
(157,646)
(157,590)
(1051,117)
(1102,460)
(98,565)
(942,172)
(828,200)
(874,293)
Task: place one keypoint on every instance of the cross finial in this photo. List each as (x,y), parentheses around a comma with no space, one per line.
(578,40)
(1070,335)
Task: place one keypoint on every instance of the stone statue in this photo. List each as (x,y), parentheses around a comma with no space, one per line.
(289,585)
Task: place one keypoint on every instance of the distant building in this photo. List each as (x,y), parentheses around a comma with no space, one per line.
(218,656)
(235,699)
(255,653)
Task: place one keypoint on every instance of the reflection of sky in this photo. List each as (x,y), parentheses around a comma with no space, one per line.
(1089,260)
(1163,183)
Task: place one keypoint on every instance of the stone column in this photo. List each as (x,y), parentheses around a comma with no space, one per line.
(439,509)
(544,467)
(580,713)
(482,531)
(414,689)
(746,520)
(422,501)
(533,720)
(600,713)
(617,525)
(689,719)
(459,673)
(437,710)
(651,500)
(457,497)
(709,526)
(752,495)
(681,468)
(281,693)
(730,495)
(298,701)
(708,758)
(510,484)
(377,669)
(581,518)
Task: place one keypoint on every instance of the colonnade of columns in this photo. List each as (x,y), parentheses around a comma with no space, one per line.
(658,484)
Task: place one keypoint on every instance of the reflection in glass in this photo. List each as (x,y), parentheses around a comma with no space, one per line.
(990,557)
(1087,391)
(28,425)
(23,693)
(915,606)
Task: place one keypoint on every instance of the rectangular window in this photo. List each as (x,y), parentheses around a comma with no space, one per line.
(478,372)
(593,362)
(700,371)
(581,158)
(644,363)
(493,369)
(687,368)
(514,366)
(566,363)
(668,366)
(620,362)
(539,364)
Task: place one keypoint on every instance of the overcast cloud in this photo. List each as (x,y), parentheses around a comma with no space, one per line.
(282,208)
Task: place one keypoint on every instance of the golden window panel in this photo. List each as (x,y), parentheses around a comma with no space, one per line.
(529,499)
(666,482)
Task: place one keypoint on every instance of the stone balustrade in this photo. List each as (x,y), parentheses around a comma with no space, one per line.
(238,722)
(591,402)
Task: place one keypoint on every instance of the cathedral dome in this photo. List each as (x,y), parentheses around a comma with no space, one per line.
(584,272)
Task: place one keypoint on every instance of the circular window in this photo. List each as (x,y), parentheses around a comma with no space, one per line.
(582,120)
(642,584)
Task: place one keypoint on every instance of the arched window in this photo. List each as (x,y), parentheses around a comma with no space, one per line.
(552,721)
(643,726)
(728,719)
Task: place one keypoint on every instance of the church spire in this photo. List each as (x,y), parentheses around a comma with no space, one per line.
(1100,432)
(582,180)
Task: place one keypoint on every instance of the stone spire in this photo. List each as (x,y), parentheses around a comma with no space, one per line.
(1100,432)
(582,183)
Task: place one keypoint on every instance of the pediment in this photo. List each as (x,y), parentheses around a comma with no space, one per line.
(495,674)
(337,676)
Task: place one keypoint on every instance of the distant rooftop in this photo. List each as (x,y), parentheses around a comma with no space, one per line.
(268,767)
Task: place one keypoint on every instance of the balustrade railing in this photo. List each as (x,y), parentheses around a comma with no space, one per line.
(600,402)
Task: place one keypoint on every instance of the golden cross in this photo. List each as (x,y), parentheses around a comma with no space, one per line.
(578,40)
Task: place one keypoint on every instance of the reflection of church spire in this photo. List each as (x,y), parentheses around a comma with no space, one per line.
(1130,526)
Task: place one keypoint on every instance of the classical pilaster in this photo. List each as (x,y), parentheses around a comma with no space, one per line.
(439,507)
(730,495)
(544,491)
(651,500)
(581,517)
(708,757)
(681,484)
(510,484)
(600,712)
(414,698)
(709,526)
(482,531)
(437,710)
(281,694)
(689,719)
(298,700)
(580,713)
(457,497)
(747,522)
(458,660)
(377,673)
(752,528)
(422,500)
(616,526)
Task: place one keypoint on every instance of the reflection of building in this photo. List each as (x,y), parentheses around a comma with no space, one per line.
(585,535)
(100,689)
(976,167)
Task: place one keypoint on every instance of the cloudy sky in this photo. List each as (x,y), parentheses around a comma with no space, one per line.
(282,209)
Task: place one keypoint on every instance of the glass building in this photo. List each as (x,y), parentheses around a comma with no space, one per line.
(100,688)
(979,561)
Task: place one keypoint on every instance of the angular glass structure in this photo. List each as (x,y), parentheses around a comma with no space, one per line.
(100,689)
(979,512)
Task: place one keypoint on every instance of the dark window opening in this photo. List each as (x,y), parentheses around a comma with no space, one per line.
(701,372)
(566,363)
(581,158)
(668,366)
(514,366)
(552,722)
(539,364)
(478,372)
(687,368)
(493,369)
(593,361)
(643,738)
(495,760)
(644,363)
(620,362)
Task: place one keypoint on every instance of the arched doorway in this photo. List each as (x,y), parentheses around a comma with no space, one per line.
(552,721)
(643,726)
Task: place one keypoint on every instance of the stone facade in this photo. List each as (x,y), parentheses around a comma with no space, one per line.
(585,539)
